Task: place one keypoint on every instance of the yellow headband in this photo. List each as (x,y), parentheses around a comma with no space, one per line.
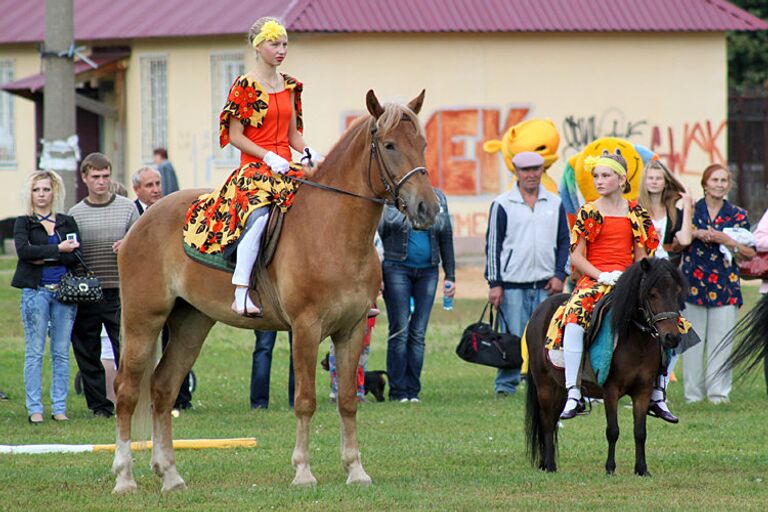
(270,31)
(591,162)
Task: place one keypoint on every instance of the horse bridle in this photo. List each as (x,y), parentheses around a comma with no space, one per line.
(391,184)
(386,177)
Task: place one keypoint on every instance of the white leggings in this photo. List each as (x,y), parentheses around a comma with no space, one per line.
(248,246)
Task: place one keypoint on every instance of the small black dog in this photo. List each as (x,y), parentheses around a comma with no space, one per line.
(375,381)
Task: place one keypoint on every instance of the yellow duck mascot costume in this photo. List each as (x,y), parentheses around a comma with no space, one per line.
(539,135)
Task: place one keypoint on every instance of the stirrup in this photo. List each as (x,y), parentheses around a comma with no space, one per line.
(247,312)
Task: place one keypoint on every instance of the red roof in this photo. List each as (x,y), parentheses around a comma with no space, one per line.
(100,20)
(522,16)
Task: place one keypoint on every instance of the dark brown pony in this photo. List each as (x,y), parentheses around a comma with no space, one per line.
(324,277)
(646,300)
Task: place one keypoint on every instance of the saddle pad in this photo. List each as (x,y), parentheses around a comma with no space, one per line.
(600,352)
(217,261)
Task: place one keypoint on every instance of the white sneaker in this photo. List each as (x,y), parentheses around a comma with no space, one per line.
(403,400)
(414,400)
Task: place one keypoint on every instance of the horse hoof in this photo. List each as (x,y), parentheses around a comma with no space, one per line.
(176,486)
(123,488)
(643,473)
(363,479)
(304,480)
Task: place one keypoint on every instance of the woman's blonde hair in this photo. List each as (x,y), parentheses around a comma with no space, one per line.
(57,186)
(257,26)
(672,192)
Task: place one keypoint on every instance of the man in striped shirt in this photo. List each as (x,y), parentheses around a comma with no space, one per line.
(103,219)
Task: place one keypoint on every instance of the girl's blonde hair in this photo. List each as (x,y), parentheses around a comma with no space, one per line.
(57,186)
(257,26)
(669,196)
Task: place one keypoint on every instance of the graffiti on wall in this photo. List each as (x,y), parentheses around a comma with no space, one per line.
(458,165)
(675,145)
(579,131)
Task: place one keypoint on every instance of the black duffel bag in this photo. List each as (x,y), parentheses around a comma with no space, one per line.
(482,343)
(79,288)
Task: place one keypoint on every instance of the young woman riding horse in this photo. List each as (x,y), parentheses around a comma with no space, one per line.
(263,119)
(322,281)
(609,235)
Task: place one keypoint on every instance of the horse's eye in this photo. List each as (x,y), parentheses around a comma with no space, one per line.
(389,146)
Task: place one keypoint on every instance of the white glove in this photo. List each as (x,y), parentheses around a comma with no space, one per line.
(609,278)
(311,157)
(277,163)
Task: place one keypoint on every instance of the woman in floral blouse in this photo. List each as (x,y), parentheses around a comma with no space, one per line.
(263,119)
(715,294)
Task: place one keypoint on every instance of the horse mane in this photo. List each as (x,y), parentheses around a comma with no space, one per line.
(389,120)
(635,284)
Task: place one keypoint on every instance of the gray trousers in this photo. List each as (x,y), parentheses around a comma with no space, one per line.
(702,379)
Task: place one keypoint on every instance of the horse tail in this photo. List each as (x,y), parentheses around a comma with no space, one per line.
(534,431)
(141,422)
(752,340)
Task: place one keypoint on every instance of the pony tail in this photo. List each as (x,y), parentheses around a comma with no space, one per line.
(752,346)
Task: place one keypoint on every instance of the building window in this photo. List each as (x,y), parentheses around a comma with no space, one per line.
(225,67)
(154,105)
(7,138)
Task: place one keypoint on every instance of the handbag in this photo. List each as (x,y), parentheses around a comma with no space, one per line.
(481,343)
(77,288)
(756,268)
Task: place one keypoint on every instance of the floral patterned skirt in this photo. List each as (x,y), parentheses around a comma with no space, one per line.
(578,310)
(216,220)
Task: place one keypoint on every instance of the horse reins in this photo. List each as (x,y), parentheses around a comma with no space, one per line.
(387,178)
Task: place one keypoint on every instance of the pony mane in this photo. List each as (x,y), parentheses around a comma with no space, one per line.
(635,284)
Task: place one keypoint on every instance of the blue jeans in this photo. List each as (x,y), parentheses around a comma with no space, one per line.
(43,315)
(405,346)
(261,367)
(517,307)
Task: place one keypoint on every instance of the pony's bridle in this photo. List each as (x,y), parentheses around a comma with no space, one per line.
(649,319)
(391,185)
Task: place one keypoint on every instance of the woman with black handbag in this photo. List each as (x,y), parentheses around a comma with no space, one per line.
(46,241)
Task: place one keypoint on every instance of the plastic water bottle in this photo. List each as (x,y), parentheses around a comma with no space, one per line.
(447,301)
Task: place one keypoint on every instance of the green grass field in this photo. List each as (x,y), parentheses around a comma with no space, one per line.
(460,449)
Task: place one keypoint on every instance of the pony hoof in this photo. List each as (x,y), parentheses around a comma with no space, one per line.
(643,473)
(123,488)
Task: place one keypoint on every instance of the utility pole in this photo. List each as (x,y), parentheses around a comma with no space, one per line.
(60,148)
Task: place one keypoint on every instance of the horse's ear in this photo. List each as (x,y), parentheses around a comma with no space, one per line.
(372,102)
(645,264)
(416,103)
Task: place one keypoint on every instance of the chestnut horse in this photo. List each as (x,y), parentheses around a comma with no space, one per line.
(645,308)
(323,279)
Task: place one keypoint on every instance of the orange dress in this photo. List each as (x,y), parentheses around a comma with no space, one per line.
(610,246)
(216,220)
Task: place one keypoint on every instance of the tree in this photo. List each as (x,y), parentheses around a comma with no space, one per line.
(748,54)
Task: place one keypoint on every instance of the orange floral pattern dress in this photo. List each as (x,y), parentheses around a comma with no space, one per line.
(216,220)
(610,246)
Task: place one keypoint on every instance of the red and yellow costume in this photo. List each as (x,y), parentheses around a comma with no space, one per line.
(216,220)
(610,246)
